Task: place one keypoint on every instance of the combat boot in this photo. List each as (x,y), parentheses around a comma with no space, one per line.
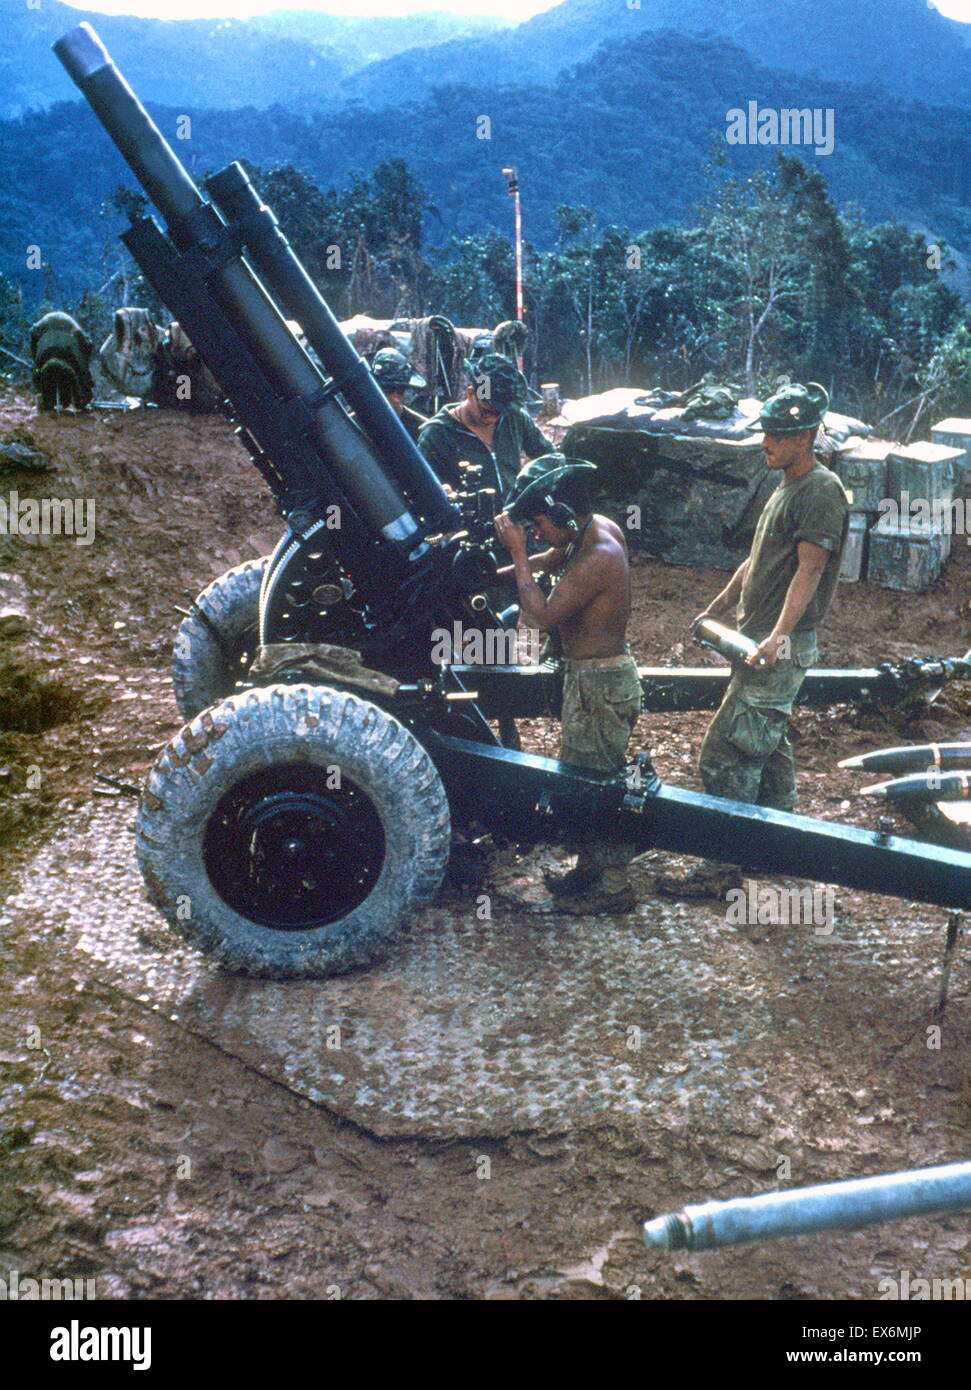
(613,893)
(577,880)
(704,881)
(588,870)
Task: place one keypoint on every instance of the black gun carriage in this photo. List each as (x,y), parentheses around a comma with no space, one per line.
(293,828)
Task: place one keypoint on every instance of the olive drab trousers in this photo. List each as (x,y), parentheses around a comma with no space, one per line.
(601,702)
(746,754)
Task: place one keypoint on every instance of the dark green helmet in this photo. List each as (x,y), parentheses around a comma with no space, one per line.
(793,409)
(498,382)
(538,486)
(393,372)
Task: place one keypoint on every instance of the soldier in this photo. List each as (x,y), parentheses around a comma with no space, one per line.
(61,352)
(489,427)
(180,379)
(395,375)
(782,591)
(589,607)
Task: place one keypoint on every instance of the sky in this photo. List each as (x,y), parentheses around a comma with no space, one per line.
(239,9)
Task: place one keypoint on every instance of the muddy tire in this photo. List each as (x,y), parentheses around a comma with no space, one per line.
(291,832)
(214,651)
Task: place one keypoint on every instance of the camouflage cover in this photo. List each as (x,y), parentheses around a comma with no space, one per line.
(688,500)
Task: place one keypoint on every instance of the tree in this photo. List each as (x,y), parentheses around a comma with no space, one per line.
(385,214)
(757,251)
(475,281)
(819,234)
(576,272)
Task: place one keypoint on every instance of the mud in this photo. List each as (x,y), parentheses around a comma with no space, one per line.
(492,1111)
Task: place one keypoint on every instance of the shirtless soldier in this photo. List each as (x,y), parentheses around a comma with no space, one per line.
(589,608)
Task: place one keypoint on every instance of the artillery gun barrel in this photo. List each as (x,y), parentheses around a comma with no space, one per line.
(917,757)
(195,225)
(924,786)
(271,254)
(802,1211)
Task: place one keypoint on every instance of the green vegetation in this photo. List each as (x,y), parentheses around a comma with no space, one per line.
(649,260)
(770,278)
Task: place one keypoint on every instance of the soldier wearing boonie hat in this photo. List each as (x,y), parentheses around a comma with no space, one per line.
(489,428)
(589,608)
(782,592)
(396,376)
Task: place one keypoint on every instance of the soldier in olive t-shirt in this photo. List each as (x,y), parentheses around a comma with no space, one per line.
(813,508)
(782,592)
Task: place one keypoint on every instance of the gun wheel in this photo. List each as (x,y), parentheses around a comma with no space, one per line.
(291,832)
(218,640)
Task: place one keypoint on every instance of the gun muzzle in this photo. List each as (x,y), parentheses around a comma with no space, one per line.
(802,1211)
(195,227)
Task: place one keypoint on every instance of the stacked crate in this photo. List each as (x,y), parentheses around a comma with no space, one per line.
(912,538)
(863,472)
(956,434)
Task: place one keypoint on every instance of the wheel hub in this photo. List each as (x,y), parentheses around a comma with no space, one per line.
(290,850)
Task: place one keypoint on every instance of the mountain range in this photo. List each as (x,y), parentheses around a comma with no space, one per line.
(903,46)
(627,132)
(307,61)
(628,129)
(299,58)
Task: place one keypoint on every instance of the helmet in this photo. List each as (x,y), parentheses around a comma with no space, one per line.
(793,409)
(537,487)
(498,381)
(393,372)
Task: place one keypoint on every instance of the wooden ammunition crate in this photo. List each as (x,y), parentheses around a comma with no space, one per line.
(903,556)
(855,553)
(923,470)
(863,472)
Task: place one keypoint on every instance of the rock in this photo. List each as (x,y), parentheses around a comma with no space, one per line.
(13,624)
(14,610)
(690,501)
(278,1157)
(14,591)
(17,457)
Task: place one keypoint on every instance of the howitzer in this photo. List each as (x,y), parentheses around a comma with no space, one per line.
(802,1211)
(292,829)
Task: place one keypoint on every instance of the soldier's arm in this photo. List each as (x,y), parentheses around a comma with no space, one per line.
(729,596)
(812,560)
(588,576)
(535,443)
(550,559)
(820,516)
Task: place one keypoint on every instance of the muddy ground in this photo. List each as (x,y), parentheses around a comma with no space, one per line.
(511,1096)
